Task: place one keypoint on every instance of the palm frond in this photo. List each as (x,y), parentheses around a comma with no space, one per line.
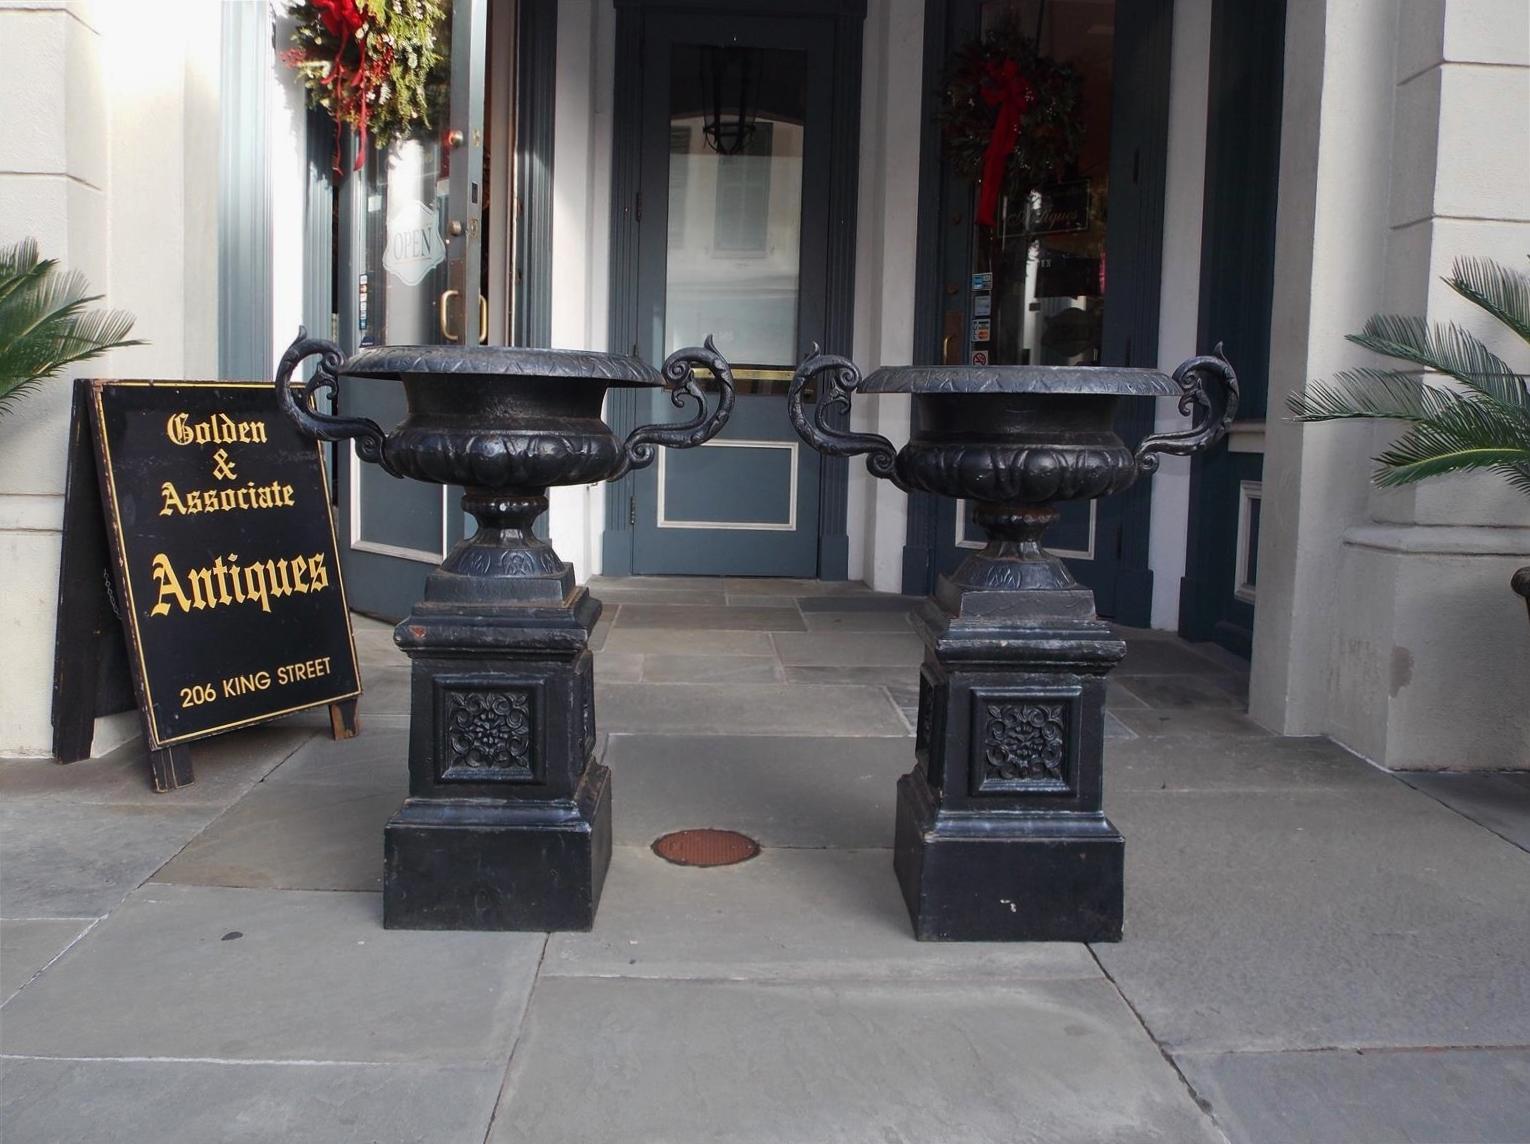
(1469,435)
(1502,292)
(46,323)
(1391,394)
(1448,349)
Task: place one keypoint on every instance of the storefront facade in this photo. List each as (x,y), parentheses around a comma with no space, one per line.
(1265,176)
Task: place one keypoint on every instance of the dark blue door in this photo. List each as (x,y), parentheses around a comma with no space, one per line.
(733,240)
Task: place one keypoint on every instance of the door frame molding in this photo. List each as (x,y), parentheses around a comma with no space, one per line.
(844,20)
(1131,325)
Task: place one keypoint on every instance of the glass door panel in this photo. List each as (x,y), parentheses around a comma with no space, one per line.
(731,131)
(404,243)
(1037,279)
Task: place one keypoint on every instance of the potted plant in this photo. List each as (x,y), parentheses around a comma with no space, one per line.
(44,322)
(1481,422)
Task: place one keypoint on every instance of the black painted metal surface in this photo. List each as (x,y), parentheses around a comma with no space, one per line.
(508,821)
(1000,833)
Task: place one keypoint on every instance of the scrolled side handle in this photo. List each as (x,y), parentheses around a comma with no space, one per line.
(679,372)
(840,379)
(1209,395)
(324,426)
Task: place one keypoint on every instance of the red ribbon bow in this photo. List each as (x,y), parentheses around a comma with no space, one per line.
(1009,91)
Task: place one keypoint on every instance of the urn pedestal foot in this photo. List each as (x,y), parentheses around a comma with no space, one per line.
(1000,834)
(508,821)
(464,866)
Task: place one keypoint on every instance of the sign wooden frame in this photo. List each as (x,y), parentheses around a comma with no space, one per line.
(96,591)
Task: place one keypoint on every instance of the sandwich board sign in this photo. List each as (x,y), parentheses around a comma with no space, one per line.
(223,567)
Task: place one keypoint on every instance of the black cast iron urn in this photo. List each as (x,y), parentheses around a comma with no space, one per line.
(508,821)
(1000,833)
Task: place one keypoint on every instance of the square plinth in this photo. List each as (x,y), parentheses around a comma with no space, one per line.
(1044,879)
(499,866)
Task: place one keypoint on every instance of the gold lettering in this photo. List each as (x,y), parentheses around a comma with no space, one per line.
(219,429)
(228,581)
(172,499)
(169,586)
(202,593)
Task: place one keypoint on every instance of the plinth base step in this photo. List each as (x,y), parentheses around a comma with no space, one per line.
(991,880)
(516,866)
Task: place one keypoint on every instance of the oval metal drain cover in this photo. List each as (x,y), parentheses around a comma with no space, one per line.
(706,847)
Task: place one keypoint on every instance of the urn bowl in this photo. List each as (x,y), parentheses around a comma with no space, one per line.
(1017,434)
(502,417)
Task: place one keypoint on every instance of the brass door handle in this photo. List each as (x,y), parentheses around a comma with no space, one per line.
(483,317)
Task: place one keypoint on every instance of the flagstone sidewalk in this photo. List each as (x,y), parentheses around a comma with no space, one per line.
(1315,950)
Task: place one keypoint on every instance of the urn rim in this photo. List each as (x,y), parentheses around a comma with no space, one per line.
(1102,381)
(397,362)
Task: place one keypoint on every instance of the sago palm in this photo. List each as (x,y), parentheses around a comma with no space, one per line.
(1482,422)
(45,324)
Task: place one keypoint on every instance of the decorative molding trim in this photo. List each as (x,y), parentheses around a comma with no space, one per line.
(487,731)
(788,525)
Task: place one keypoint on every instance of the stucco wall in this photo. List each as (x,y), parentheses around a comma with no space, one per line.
(1385,619)
(108,159)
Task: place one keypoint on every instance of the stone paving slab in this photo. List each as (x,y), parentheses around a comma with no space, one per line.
(745,709)
(27,945)
(1189,690)
(849,649)
(662,641)
(902,676)
(1462,1096)
(1043,1062)
(191,1102)
(709,669)
(619,667)
(385,690)
(310,977)
(1190,722)
(785,915)
(1344,917)
(1156,655)
(856,622)
(618,594)
(225,766)
(377,647)
(293,836)
(684,617)
(871,602)
(63,860)
(780,790)
(1234,762)
(779,586)
(377,760)
(1500,802)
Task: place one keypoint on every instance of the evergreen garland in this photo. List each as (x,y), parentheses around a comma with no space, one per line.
(378,66)
(1051,127)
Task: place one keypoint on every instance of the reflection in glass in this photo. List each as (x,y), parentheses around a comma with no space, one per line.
(735,220)
(1047,254)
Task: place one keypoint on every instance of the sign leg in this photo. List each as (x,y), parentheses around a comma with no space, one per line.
(344,723)
(170,767)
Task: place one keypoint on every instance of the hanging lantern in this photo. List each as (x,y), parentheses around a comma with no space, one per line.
(730,80)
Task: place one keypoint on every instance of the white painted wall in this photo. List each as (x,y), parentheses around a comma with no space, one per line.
(109,159)
(581,229)
(1179,300)
(1386,620)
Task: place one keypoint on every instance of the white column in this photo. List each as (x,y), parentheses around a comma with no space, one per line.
(1386,620)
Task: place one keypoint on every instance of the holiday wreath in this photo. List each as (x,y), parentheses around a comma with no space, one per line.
(379,66)
(1011,117)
